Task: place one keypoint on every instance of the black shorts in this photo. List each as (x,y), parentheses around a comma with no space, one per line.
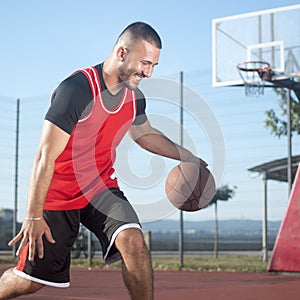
(106,216)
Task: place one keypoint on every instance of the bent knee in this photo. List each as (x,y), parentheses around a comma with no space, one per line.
(130,239)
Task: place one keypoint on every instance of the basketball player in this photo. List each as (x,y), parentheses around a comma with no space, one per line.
(72,178)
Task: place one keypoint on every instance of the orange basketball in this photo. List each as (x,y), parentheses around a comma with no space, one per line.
(190,187)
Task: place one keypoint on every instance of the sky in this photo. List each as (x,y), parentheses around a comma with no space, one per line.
(42,42)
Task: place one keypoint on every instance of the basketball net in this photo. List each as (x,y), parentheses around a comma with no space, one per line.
(254,74)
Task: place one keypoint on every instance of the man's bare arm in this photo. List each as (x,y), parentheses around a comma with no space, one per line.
(52,142)
(156,142)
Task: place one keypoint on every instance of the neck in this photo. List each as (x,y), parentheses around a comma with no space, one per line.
(110,77)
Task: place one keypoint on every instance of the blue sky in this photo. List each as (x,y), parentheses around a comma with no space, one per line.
(44,41)
(48,39)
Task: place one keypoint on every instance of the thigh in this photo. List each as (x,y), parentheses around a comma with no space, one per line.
(106,216)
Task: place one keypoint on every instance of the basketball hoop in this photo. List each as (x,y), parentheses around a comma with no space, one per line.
(254,74)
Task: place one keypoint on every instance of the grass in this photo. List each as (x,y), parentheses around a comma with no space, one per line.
(224,263)
(7,260)
(240,263)
(209,263)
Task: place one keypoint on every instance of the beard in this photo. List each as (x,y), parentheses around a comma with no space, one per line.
(126,74)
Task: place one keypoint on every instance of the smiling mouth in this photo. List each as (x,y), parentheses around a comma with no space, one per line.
(139,77)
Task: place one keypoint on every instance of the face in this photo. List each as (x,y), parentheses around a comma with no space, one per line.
(138,63)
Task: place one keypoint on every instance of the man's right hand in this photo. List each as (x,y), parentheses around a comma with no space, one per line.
(32,232)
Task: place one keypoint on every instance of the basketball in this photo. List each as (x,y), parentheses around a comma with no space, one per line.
(190,187)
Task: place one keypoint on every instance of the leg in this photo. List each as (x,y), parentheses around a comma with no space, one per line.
(114,221)
(12,285)
(137,269)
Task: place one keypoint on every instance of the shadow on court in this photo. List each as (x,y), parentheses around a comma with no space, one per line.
(107,284)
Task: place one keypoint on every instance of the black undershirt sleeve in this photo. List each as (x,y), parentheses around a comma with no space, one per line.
(72,99)
(141,116)
(69,101)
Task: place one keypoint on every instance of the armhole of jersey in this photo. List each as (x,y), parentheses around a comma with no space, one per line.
(135,108)
(93,89)
(97,80)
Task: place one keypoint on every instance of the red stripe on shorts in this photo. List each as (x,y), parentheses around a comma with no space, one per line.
(23,257)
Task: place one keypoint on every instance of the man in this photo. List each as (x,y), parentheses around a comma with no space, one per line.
(72,176)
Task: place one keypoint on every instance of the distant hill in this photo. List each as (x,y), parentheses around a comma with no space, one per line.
(234,227)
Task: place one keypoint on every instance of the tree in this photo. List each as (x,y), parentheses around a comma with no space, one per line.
(278,124)
(224,193)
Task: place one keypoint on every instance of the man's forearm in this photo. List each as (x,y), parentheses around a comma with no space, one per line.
(41,175)
(158,143)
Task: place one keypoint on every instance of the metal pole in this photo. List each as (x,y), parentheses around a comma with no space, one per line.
(89,248)
(265,220)
(259,38)
(181,241)
(289,135)
(16,176)
(272,39)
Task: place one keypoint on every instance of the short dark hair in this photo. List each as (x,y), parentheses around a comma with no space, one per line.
(143,31)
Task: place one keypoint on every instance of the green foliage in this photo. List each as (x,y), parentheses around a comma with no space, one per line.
(224,193)
(277,124)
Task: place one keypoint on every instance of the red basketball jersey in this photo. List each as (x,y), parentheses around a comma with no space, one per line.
(85,167)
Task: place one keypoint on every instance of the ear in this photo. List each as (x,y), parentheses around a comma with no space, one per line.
(122,53)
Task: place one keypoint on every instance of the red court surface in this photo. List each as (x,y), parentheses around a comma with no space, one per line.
(107,284)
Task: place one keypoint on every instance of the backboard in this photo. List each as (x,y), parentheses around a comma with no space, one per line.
(271,35)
